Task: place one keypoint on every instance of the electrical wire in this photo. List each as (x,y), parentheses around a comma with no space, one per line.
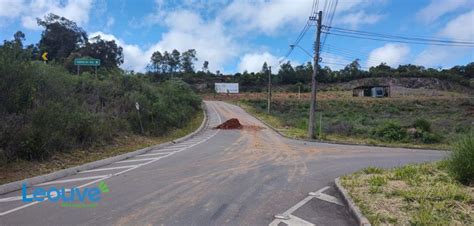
(395,38)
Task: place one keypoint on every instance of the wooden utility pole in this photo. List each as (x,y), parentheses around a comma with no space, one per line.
(269,96)
(312,111)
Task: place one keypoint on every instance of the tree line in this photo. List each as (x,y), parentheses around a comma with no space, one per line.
(64,41)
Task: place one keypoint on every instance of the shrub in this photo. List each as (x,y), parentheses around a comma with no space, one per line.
(390,131)
(44,109)
(461,161)
(423,125)
(430,138)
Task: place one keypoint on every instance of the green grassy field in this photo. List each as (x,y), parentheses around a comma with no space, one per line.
(425,121)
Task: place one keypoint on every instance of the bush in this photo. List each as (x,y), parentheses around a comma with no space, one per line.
(44,109)
(423,125)
(461,160)
(390,131)
(430,138)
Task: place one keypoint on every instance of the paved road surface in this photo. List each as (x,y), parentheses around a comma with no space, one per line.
(220,177)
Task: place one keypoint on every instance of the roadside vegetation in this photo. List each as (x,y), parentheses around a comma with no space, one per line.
(440,193)
(50,114)
(409,120)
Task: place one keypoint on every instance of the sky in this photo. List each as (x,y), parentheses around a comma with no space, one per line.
(235,36)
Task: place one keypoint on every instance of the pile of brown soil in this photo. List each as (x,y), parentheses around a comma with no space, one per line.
(232,123)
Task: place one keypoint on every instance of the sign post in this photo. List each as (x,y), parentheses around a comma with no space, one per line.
(86,62)
(137,106)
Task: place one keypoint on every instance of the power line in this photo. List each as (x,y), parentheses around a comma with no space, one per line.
(396,38)
(302,33)
(329,17)
(415,38)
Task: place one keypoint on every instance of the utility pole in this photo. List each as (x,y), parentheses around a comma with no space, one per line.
(312,111)
(269,96)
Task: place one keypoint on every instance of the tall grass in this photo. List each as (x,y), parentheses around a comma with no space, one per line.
(461,161)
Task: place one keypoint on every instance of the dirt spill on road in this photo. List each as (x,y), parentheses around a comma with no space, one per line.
(263,145)
(256,148)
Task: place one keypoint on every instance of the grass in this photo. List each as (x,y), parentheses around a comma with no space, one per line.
(436,119)
(21,169)
(421,194)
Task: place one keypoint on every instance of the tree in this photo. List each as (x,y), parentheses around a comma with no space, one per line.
(352,70)
(265,70)
(165,63)
(287,73)
(174,61)
(109,53)
(15,47)
(19,38)
(187,61)
(60,37)
(205,66)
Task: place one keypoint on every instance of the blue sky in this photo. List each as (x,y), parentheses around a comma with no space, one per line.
(240,35)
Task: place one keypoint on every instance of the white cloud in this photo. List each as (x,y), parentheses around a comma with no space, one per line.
(271,16)
(110,22)
(390,53)
(11,8)
(438,8)
(75,10)
(359,18)
(434,56)
(461,27)
(265,16)
(252,62)
(134,57)
(335,62)
(187,30)
(442,56)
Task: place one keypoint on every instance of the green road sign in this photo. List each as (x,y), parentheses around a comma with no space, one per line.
(86,62)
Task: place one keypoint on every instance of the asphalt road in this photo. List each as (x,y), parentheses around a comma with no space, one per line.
(219,177)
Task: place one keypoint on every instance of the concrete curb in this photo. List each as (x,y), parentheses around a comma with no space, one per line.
(332,142)
(14,186)
(361,219)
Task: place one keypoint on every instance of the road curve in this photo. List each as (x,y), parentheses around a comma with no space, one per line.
(219,177)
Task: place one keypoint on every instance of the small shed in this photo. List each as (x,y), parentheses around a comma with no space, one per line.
(371,91)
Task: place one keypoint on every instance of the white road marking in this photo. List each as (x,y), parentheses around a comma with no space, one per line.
(109,168)
(328,198)
(137,160)
(72,180)
(124,171)
(158,153)
(18,208)
(292,220)
(166,149)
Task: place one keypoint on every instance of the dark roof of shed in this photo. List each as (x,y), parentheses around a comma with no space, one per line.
(365,87)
